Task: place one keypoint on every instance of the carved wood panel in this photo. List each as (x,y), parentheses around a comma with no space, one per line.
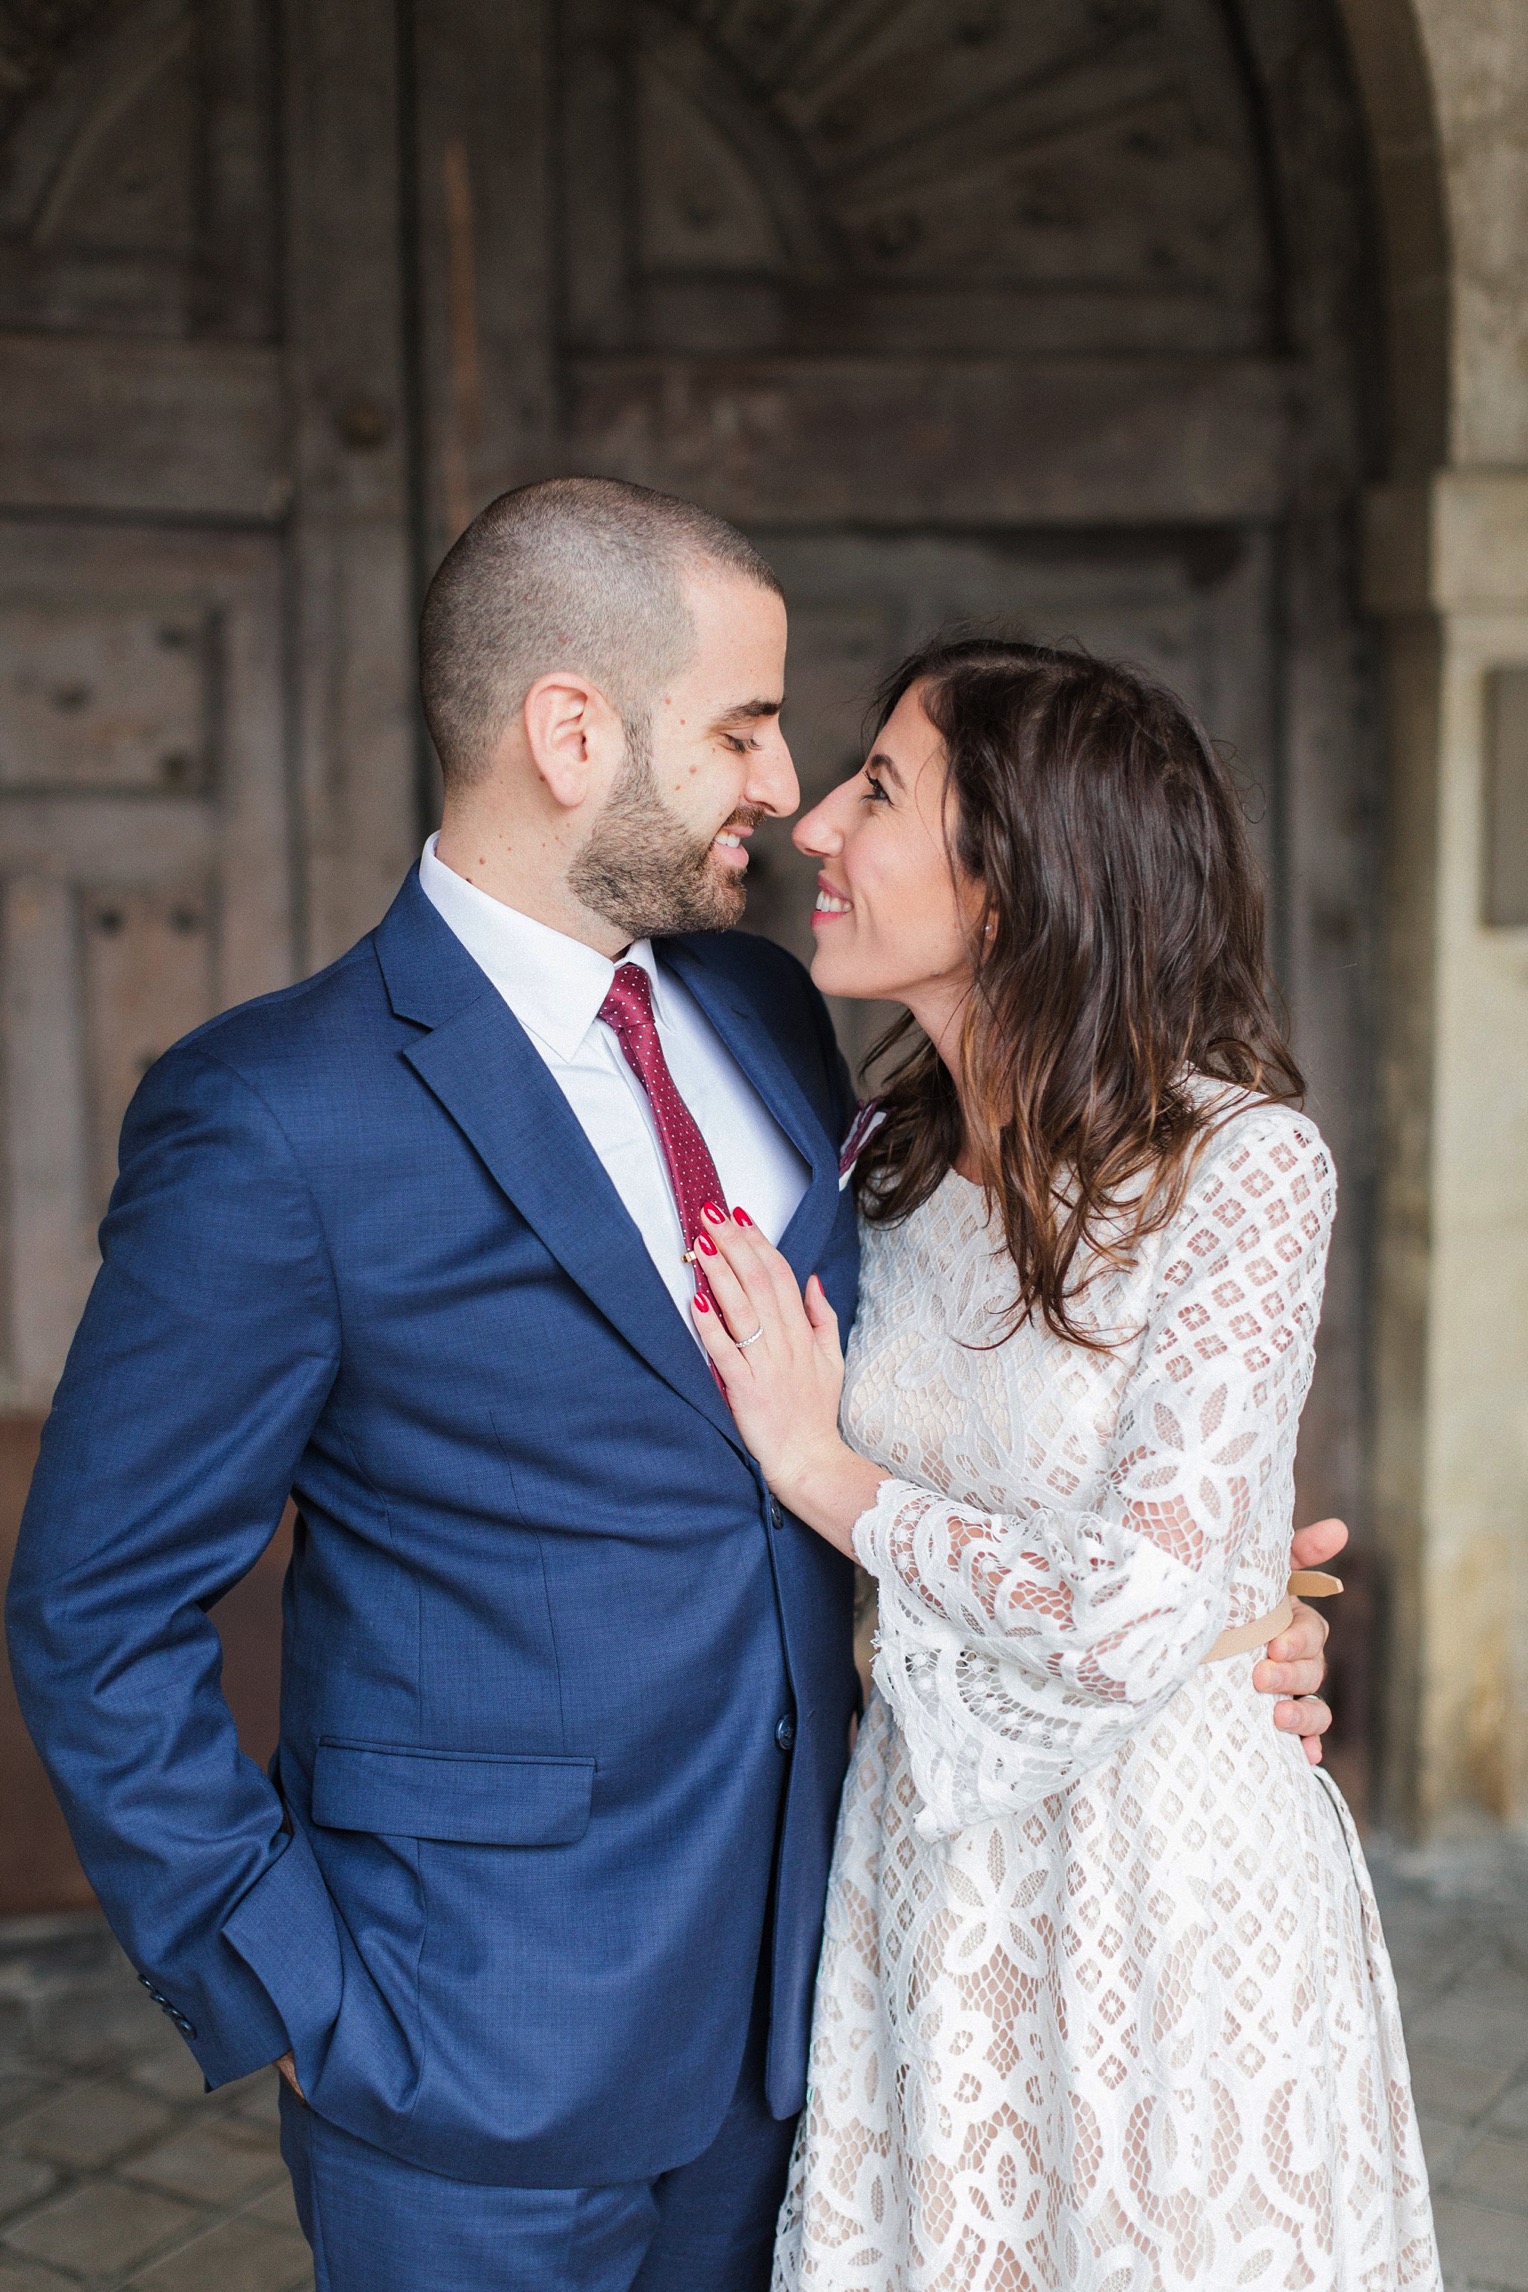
(922,175)
(145,866)
(146,962)
(208,754)
(104,698)
(138,192)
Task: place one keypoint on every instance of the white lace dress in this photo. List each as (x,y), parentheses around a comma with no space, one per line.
(1104,2003)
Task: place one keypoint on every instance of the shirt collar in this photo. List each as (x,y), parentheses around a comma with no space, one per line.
(553,984)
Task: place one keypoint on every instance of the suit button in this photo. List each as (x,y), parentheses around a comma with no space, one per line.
(785,1732)
(776,1516)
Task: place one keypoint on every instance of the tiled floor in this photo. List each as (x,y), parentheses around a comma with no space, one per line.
(116,2171)
(115,2168)
(1457,1926)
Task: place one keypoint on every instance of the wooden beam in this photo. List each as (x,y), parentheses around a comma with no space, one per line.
(354,623)
(124,424)
(488,273)
(982,441)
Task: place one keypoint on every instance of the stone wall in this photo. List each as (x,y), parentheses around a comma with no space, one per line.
(1447,568)
(1477,57)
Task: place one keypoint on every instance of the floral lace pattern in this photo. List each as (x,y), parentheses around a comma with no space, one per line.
(1104,2002)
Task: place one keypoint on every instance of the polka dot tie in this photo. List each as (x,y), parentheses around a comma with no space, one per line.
(628,1011)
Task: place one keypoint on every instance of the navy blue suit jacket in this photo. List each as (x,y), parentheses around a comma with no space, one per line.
(565,1698)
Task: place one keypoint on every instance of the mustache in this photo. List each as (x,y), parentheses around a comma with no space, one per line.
(746,816)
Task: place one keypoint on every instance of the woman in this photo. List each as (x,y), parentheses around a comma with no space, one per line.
(1104,2003)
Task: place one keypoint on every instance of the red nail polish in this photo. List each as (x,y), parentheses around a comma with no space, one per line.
(710,1210)
(705,1245)
(742,1217)
(700,1304)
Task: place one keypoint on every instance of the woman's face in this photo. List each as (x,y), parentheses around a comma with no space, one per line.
(891,922)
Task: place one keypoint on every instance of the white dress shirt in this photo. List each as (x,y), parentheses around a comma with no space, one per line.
(555,985)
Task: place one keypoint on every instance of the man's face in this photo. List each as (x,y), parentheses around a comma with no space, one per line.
(669,851)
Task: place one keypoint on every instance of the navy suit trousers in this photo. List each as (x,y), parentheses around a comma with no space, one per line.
(377,2224)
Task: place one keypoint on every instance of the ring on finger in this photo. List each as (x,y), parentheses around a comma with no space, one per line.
(743,1343)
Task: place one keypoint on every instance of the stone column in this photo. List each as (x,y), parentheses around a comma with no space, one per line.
(1445,88)
(1447,563)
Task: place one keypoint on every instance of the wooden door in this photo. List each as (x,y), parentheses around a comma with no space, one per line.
(1048,315)
(207,749)
(147,880)
(1045,314)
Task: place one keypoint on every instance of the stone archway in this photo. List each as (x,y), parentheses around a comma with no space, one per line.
(1058,311)
(1447,571)
(1393,78)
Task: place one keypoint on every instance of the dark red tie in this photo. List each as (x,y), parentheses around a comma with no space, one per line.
(628,1011)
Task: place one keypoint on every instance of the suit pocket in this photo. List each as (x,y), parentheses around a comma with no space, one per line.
(466,1798)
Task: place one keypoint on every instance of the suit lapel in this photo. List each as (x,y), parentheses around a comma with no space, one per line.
(741,1027)
(482,1067)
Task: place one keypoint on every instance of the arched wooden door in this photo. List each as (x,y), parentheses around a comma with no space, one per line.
(147,851)
(1038,312)
(1053,314)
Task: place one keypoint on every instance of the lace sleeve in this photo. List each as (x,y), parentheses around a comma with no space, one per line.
(1017,1649)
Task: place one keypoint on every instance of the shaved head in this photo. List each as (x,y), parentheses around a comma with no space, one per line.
(582,574)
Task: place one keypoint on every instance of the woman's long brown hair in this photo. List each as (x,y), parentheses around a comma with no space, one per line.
(1119,953)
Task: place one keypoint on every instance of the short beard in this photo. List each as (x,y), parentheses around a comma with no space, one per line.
(643,870)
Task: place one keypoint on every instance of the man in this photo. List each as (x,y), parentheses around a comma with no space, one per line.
(530,1904)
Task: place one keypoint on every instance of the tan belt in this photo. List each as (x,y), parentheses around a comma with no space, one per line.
(1237,1641)
(1255,1634)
